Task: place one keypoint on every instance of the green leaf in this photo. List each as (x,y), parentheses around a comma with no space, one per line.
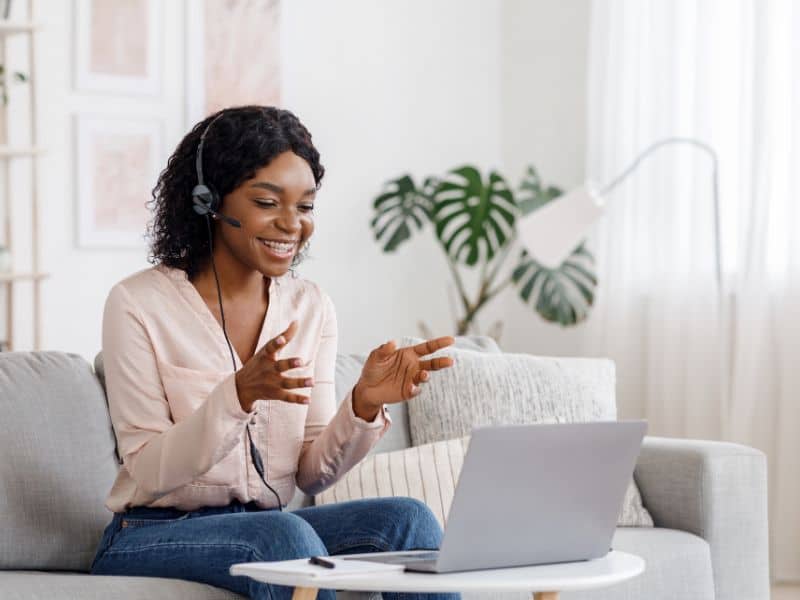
(398,210)
(532,195)
(474,218)
(563,295)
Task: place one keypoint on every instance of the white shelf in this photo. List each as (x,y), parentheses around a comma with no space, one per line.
(13,152)
(10,277)
(29,150)
(13,27)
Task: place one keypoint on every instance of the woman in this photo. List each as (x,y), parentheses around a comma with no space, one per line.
(220,374)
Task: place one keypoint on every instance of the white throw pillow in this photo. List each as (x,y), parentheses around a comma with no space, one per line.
(429,473)
(509,389)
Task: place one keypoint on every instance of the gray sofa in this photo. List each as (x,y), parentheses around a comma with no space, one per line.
(708,500)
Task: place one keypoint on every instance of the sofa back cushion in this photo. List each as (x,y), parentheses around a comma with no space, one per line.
(510,389)
(57,463)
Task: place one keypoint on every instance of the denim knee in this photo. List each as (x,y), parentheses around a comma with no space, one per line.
(415,524)
(280,536)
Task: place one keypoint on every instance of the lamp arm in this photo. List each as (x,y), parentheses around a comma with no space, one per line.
(715,185)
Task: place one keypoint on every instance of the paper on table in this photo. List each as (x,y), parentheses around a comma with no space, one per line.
(344,568)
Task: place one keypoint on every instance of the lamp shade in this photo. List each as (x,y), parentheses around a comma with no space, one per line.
(552,232)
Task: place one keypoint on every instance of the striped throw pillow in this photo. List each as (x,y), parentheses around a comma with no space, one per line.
(428,473)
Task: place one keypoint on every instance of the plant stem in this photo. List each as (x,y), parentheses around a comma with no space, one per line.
(502,257)
(484,294)
(499,288)
(457,277)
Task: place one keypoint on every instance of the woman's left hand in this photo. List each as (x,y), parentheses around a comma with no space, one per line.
(393,374)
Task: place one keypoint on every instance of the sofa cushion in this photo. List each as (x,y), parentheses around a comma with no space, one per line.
(678,566)
(58,461)
(510,389)
(39,585)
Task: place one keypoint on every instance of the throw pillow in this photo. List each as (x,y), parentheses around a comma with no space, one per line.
(509,389)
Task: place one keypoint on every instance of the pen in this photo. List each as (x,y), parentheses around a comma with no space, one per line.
(321,562)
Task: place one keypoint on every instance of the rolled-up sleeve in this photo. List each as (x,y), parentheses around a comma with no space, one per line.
(334,440)
(159,454)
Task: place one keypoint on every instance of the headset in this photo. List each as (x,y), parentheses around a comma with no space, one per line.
(206,201)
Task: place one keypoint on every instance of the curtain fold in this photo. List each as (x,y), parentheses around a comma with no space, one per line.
(696,355)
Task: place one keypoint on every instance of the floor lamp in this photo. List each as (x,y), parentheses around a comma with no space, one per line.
(552,232)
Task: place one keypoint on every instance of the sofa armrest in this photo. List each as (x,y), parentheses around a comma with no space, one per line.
(717,491)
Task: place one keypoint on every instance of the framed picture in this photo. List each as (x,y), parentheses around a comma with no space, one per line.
(117,165)
(235,62)
(118,46)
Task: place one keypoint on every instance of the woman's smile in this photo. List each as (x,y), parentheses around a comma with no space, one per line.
(279,249)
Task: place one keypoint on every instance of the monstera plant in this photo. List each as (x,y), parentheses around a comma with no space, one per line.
(474,220)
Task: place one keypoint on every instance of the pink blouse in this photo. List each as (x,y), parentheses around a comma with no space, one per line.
(172,397)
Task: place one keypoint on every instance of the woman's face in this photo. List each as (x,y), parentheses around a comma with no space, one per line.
(275,210)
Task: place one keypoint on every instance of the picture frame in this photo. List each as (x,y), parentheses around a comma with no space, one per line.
(246,34)
(118,47)
(117,162)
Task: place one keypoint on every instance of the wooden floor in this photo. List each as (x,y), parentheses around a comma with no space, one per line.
(786,592)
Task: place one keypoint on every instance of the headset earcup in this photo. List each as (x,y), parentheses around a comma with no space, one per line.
(203,199)
(215,199)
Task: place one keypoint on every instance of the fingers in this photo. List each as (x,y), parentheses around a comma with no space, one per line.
(292,398)
(386,350)
(296,382)
(430,346)
(285,364)
(280,340)
(421,377)
(434,364)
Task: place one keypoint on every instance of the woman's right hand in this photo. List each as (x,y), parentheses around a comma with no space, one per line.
(261,377)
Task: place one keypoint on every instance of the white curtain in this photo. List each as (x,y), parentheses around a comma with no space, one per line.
(699,355)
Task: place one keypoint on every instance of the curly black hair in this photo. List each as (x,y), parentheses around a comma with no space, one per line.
(242,141)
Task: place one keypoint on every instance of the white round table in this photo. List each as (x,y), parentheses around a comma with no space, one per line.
(544,581)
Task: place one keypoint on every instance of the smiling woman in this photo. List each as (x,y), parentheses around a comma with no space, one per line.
(268,148)
(213,449)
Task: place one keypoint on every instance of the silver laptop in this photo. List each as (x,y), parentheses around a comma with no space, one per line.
(533,494)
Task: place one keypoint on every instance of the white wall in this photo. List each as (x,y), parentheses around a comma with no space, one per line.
(384,87)
(388,88)
(544,66)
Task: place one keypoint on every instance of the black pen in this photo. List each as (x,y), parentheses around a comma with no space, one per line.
(321,562)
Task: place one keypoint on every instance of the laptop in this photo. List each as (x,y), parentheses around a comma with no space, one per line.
(533,494)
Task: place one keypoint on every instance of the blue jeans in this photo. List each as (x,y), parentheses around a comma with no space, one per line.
(201,545)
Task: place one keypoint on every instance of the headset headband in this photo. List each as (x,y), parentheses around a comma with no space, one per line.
(199,158)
